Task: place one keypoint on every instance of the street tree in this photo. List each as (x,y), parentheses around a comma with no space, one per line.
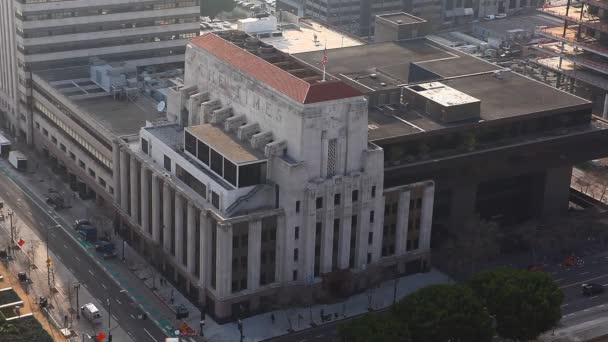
(445,313)
(524,303)
(211,8)
(374,328)
(477,241)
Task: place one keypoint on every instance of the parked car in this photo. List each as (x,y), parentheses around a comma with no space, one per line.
(91,313)
(592,289)
(81,222)
(56,201)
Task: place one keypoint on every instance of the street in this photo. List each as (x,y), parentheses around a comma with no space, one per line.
(35,213)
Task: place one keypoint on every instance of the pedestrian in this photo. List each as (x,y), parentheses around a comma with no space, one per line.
(272,318)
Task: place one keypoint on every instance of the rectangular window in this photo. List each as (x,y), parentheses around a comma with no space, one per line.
(102,182)
(230,172)
(81,164)
(297,207)
(371,216)
(203,152)
(53,139)
(215,199)
(167,163)
(336,199)
(216,162)
(144,145)
(355,195)
(296,233)
(295,275)
(353,222)
(91,173)
(370,238)
(190,143)
(37,126)
(62,147)
(45,132)
(373,191)
(331,157)
(295,254)
(319,202)
(251,174)
(369,258)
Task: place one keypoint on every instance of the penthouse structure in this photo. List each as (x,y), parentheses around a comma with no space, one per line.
(579,51)
(39,35)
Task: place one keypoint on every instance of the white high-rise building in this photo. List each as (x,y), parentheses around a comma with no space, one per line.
(44,34)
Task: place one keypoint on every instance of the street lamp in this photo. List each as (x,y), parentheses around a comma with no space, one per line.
(10,217)
(77,287)
(87,335)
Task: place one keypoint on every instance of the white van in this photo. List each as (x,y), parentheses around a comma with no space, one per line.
(91,313)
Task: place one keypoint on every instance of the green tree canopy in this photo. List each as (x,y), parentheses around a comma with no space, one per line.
(374,328)
(442,313)
(211,8)
(524,303)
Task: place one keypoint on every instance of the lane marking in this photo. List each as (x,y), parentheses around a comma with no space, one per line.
(114,317)
(152,337)
(583,273)
(77,258)
(556,280)
(132,316)
(91,272)
(128,332)
(584,281)
(592,297)
(565,305)
(119,302)
(569,315)
(65,246)
(104,287)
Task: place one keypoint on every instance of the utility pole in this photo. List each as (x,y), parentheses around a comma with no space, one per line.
(10,217)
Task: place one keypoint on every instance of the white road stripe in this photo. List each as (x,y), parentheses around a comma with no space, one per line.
(128,332)
(132,316)
(91,272)
(119,302)
(565,305)
(114,317)
(104,287)
(77,258)
(152,337)
(583,273)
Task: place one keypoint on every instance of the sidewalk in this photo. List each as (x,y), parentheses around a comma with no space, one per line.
(62,302)
(583,329)
(134,276)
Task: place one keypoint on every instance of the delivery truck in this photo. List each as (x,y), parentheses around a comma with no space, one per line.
(18,160)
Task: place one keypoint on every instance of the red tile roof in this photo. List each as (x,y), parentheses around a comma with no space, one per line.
(277,78)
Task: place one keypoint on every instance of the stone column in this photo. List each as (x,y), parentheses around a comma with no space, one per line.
(167,238)
(254,241)
(145,201)
(135,194)
(426,219)
(327,238)
(116,170)
(205,247)
(156,209)
(179,229)
(223,266)
(124,182)
(191,235)
(308,232)
(361,242)
(403,216)
(280,248)
(344,243)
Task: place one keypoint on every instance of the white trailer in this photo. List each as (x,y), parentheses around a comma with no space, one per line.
(5,146)
(18,160)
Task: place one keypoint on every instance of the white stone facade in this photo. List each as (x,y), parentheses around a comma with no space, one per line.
(319,208)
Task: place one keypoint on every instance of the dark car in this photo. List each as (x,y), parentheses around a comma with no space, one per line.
(81,222)
(592,289)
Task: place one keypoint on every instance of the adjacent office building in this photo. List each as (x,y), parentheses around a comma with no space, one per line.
(578,52)
(44,34)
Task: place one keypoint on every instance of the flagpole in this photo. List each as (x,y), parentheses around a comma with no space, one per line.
(323,72)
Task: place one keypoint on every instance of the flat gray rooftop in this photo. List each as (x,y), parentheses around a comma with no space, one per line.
(120,117)
(402,18)
(392,62)
(513,95)
(524,22)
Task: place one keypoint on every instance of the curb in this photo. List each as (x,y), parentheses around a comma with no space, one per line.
(48,212)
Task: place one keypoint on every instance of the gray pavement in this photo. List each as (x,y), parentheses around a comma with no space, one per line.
(95,276)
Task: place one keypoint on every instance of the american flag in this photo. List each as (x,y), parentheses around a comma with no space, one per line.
(324,60)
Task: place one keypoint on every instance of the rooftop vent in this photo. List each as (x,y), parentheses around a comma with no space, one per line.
(373,75)
(442,103)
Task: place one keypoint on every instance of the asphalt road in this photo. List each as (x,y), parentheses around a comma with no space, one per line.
(570,279)
(37,214)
